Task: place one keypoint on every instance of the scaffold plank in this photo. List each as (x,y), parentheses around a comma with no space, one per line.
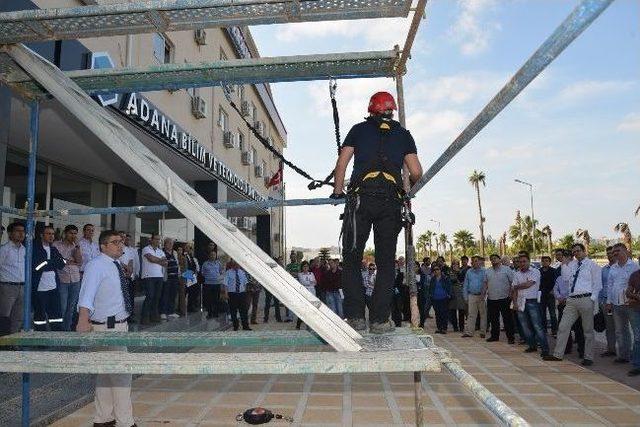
(114,362)
(185,199)
(235,71)
(176,15)
(163,339)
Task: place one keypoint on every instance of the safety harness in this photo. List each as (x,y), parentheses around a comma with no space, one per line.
(379,178)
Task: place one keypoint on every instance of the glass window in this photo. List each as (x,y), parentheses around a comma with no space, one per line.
(223,120)
(254,155)
(162,49)
(241,141)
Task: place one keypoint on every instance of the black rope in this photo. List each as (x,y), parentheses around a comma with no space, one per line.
(336,124)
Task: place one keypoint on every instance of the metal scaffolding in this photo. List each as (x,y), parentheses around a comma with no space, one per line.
(38,77)
(234,71)
(152,16)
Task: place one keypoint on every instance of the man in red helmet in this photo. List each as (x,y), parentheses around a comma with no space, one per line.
(380,147)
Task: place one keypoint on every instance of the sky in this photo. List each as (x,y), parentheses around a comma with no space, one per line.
(574,133)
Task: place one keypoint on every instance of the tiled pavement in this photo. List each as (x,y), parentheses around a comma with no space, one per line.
(544,394)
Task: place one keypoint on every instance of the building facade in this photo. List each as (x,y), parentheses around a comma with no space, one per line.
(195,131)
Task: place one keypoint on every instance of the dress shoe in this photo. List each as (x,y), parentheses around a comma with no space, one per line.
(482,335)
(634,372)
(608,354)
(511,341)
(620,360)
(530,350)
(107,424)
(586,362)
(492,339)
(550,358)
(467,336)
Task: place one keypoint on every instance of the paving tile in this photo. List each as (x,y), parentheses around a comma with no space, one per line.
(153,396)
(472,416)
(408,401)
(531,388)
(72,421)
(595,400)
(571,389)
(247,386)
(571,416)
(512,401)
(630,398)
(222,414)
(548,400)
(281,387)
(532,416)
(431,417)
(317,415)
(496,388)
(459,401)
(142,409)
(372,416)
(325,388)
(619,415)
(448,388)
(177,411)
(238,399)
(281,399)
(369,400)
(323,400)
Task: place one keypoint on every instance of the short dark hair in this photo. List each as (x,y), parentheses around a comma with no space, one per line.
(154,235)
(609,248)
(620,245)
(303,263)
(44,227)
(567,252)
(578,245)
(11,227)
(464,257)
(104,236)
(494,256)
(548,258)
(84,227)
(524,254)
(556,250)
(70,227)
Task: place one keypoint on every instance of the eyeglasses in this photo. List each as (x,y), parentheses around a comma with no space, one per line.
(115,242)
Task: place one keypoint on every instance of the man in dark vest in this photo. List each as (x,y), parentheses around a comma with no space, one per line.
(380,147)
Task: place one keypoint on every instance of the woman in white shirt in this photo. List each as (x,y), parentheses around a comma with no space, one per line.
(308,280)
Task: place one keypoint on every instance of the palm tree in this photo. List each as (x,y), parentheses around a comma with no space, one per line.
(443,242)
(463,239)
(450,253)
(623,228)
(503,244)
(566,241)
(637,212)
(546,231)
(586,238)
(430,235)
(422,243)
(477,178)
(520,233)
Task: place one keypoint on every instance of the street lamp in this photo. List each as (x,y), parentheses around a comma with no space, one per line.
(533,221)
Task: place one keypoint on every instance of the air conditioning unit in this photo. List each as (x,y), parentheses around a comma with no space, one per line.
(247,158)
(198,107)
(244,109)
(259,127)
(200,37)
(259,171)
(228,139)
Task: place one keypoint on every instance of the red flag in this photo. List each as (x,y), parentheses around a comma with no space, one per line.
(276,178)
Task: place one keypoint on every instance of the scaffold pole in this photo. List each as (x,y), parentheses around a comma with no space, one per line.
(579,19)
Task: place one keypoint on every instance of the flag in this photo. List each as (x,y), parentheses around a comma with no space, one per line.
(276,178)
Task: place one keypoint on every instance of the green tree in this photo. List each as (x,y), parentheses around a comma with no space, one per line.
(324,254)
(463,239)
(623,228)
(520,234)
(566,241)
(442,238)
(477,178)
(369,254)
(421,245)
(586,238)
(546,231)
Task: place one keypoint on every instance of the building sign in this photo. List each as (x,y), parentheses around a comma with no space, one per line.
(102,60)
(144,112)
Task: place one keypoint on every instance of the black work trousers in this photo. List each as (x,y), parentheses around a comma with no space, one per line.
(495,309)
(268,298)
(383,214)
(238,303)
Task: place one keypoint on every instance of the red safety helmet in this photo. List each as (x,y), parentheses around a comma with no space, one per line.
(381,102)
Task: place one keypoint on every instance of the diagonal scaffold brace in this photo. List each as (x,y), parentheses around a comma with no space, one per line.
(135,154)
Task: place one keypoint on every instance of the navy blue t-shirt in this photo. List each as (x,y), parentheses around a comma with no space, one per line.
(365,140)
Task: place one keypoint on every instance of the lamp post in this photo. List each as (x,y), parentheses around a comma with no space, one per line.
(437,222)
(533,221)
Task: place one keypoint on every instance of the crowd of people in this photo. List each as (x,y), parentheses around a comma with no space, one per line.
(569,299)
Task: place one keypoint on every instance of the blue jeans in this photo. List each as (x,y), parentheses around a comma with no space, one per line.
(69,293)
(334,302)
(532,314)
(634,316)
(168,298)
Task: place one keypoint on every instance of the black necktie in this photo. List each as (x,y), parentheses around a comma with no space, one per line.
(237,281)
(124,286)
(575,277)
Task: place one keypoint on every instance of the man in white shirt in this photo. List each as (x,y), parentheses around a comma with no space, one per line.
(88,247)
(153,262)
(617,283)
(12,280)
(105,304)
(582,302)
(526,281)
(498,281)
